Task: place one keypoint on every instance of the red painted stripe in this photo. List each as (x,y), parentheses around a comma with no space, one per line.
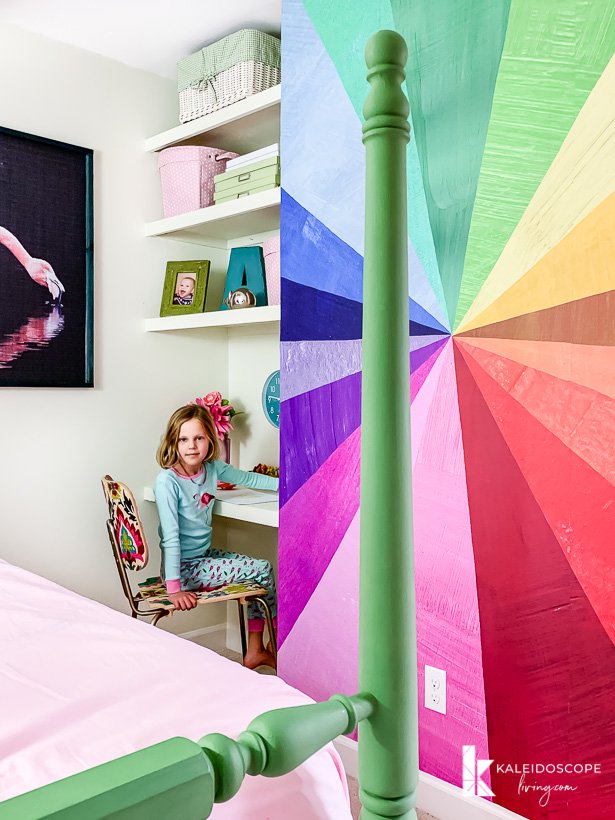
(548,663)
(577,502)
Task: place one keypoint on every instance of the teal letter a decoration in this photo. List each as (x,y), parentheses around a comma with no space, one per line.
(246,269)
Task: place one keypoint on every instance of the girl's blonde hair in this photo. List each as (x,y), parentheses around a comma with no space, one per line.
(167,454)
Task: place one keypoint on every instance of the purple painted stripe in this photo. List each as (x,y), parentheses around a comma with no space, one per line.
(418,357)
(309,365)
(312,525)
(314,424)
(334,410)
(423,341)
(418,376)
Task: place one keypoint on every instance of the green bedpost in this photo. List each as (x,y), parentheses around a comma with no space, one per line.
(388,741)
(182,779)
(171,779)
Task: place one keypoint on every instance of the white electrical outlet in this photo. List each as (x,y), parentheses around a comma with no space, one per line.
(435,689)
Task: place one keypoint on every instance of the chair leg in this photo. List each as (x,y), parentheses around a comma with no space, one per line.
(158,616)
(242,629)
(270,627)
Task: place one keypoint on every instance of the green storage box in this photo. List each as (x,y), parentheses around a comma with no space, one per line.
(257,173)
(250,179)
(233,193)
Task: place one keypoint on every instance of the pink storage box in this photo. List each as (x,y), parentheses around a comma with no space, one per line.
(271,252)
(187,176)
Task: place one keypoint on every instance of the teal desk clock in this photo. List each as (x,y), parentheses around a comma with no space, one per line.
(271,398)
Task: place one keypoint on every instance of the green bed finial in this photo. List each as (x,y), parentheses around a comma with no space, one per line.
(386,105)
(278,741)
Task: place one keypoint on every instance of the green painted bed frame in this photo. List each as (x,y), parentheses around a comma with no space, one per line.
(183,779)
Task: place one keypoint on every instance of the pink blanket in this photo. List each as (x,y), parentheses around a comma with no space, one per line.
(81,684)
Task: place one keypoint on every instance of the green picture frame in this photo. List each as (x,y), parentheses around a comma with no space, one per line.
(185,287)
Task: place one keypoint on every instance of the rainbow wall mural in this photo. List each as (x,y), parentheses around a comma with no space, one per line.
(511,187)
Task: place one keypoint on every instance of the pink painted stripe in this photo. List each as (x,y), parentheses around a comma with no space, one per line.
(421,403)
(448,634)
(326,633)
(312,524)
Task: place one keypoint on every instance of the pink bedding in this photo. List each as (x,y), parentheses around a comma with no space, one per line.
(81,684)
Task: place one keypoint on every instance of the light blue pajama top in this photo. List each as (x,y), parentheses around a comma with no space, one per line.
(185,508)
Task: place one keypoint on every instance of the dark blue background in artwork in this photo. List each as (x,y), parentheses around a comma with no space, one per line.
(43,203)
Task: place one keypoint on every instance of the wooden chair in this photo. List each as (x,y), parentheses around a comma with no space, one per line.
(129,545)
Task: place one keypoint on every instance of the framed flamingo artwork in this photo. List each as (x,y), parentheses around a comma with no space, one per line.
(46,262)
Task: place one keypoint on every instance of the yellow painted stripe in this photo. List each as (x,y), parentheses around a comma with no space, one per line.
(579,179)
(587,365)
(582,265)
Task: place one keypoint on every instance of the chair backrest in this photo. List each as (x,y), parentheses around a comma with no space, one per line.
(125,524)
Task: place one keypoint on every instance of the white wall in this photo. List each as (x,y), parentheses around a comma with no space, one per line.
(57,443)
(253,356)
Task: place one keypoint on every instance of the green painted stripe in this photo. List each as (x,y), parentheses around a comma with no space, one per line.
(554,53)
(344,28)
(454,56)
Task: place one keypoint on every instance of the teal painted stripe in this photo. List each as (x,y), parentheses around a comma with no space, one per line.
(344,28)
(454,56)
(555,51)
(324,157)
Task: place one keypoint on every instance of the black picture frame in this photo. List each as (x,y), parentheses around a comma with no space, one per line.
(46,262)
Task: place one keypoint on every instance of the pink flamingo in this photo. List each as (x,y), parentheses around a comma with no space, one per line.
(39,270)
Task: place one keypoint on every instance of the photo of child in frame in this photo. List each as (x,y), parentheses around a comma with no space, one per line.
(184,288)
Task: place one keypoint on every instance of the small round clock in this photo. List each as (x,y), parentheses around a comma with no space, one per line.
(271,398)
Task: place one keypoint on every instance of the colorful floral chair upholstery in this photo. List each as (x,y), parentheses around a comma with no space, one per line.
(129,545)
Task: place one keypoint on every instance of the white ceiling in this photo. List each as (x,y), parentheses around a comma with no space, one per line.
(148,34)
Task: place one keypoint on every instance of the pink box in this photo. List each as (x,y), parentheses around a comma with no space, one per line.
(271,252)
(187,176)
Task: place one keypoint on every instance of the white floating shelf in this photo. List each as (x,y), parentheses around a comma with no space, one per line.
(269,314)
(266,514)
(251,123)
(248,215)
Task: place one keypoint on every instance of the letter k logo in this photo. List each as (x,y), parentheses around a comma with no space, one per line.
(472,769)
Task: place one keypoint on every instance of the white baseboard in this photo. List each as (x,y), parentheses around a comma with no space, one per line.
(349,752)
(204,630)
(434,796)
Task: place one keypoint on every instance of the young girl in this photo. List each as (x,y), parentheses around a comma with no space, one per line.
(185,491)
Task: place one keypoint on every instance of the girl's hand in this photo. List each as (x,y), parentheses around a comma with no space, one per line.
(183,600)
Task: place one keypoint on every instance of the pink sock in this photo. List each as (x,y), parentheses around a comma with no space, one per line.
(258,624)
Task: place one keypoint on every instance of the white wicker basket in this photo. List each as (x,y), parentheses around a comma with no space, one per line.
(225,88)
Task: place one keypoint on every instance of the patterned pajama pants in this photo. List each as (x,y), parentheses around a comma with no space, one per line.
(220,568)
